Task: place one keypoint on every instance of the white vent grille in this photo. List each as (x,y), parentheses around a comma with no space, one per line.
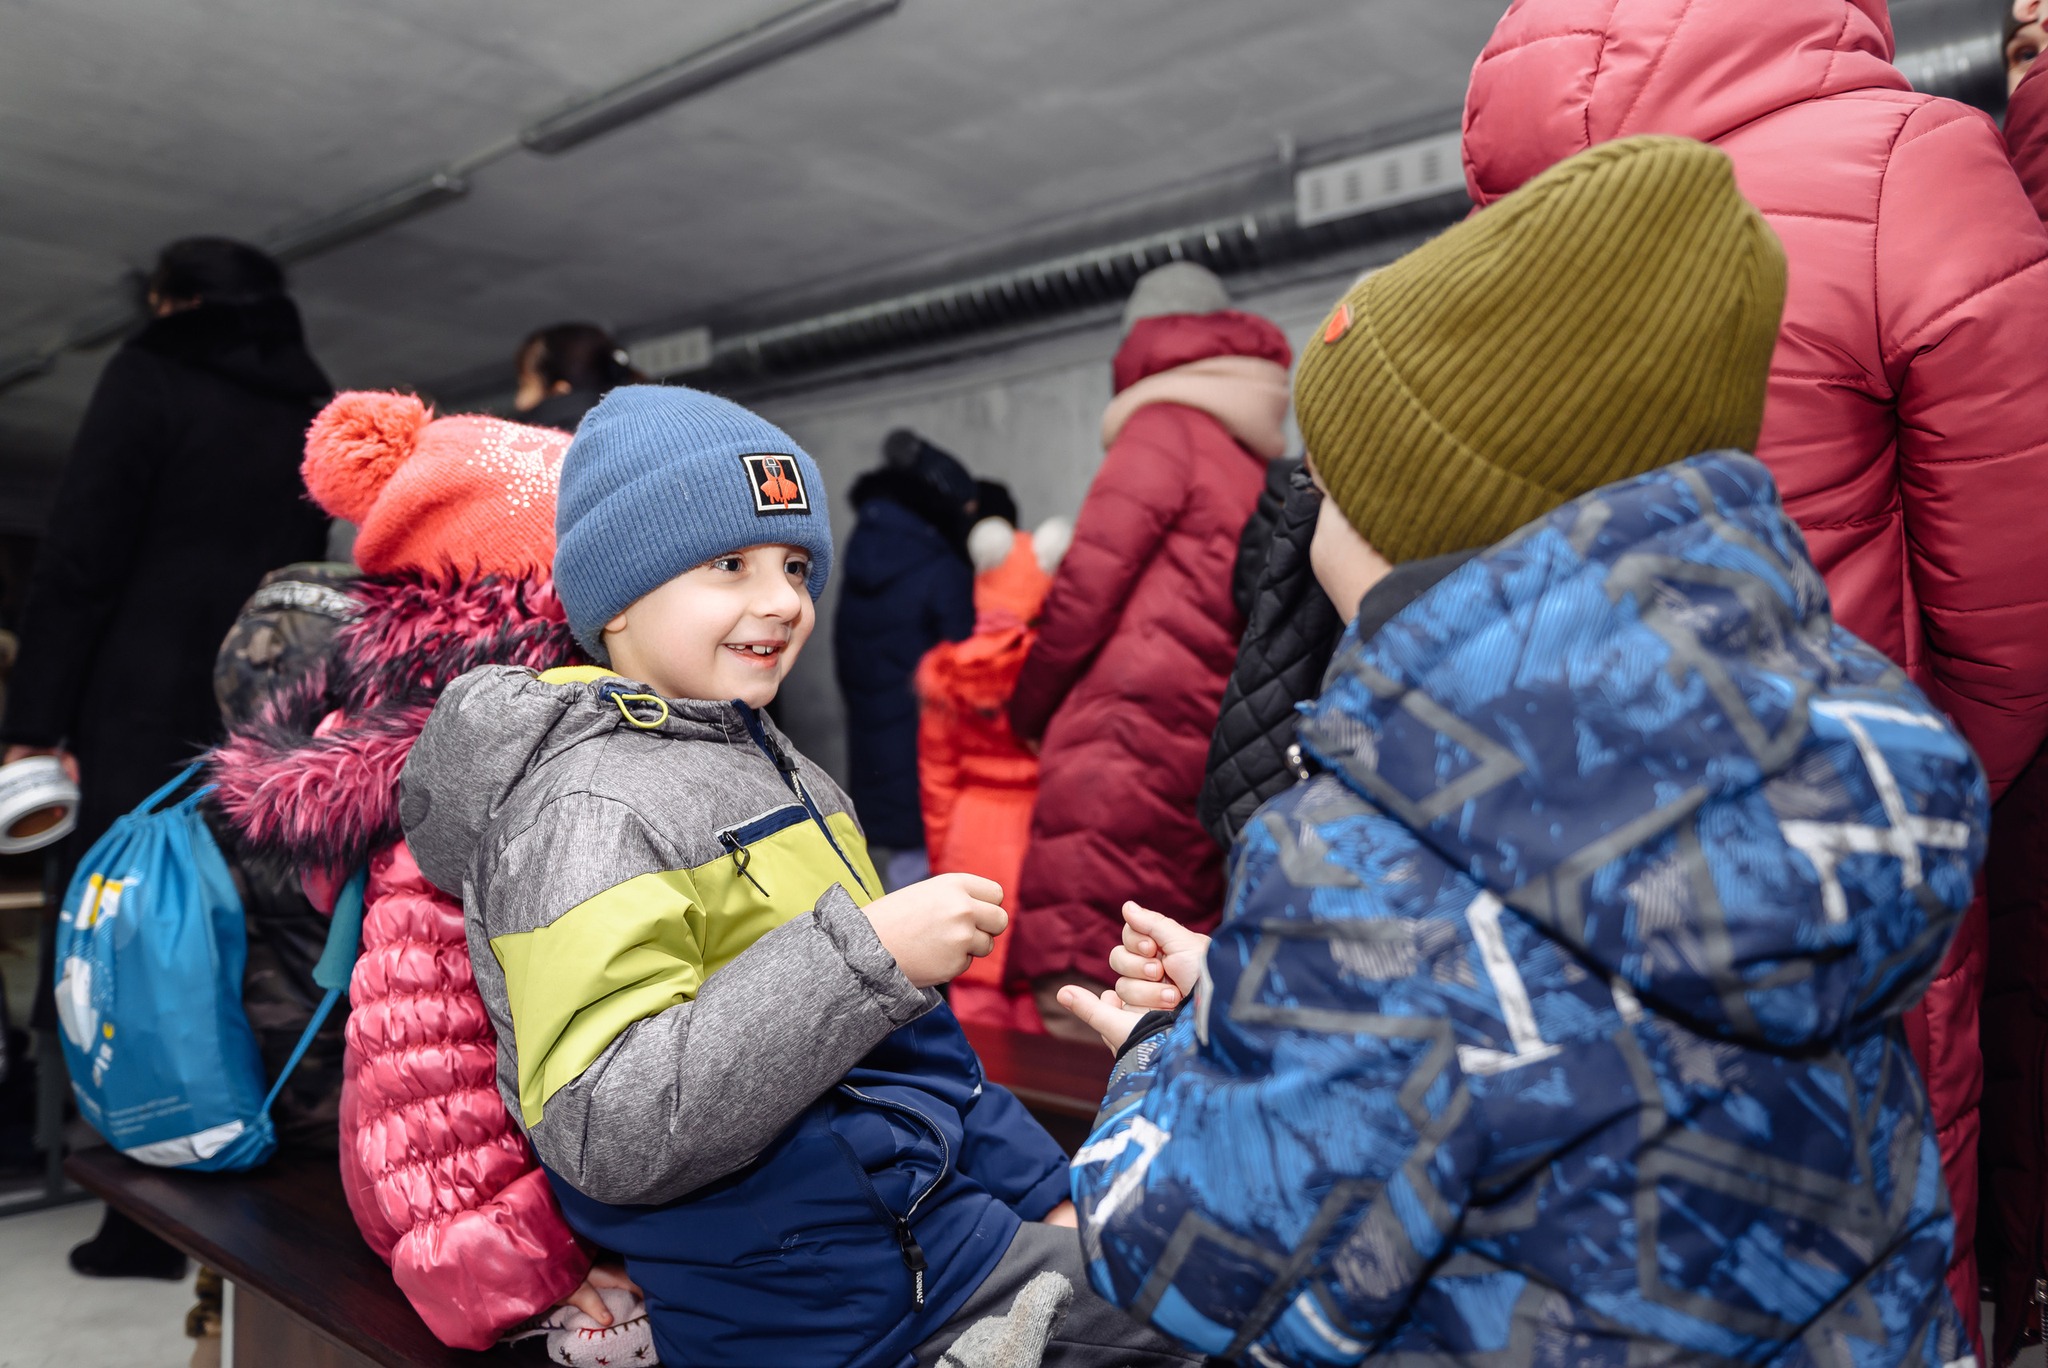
(674,354)
(1379,180)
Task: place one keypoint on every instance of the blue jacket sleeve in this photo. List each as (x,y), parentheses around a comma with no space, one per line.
(1269,1178)
(1009,1153)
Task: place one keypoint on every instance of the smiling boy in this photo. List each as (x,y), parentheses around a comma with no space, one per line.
(723,1044)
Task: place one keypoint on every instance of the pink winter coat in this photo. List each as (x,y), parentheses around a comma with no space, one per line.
(1904,422)
(442,1182)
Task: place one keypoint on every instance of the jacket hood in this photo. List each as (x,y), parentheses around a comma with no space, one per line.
(497,723)
(904,524)
(259,346)
(1636,723)
(979,674)
(1247,395)
(1173,340)
(313,780)
(1559,76)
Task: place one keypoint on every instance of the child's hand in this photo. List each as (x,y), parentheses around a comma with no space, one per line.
(1159,962)
(586,1298)
(1107,1015)
(936,928)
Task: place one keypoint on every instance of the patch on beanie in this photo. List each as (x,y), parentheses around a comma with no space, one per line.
(777,483)
(1340,323)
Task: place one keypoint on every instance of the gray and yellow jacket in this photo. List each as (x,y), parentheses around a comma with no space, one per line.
(725,1074)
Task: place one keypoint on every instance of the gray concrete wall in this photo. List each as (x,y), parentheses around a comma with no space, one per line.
(1030,418)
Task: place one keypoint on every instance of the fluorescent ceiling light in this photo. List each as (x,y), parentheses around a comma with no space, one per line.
(698,71)
(307,237)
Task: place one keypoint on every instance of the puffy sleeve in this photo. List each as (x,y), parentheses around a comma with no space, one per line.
(1962,284)
(441,1180)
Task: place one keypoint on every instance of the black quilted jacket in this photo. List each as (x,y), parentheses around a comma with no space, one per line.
(1290,634)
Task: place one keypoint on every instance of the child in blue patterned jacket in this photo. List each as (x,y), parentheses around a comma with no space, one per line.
(1556,1021)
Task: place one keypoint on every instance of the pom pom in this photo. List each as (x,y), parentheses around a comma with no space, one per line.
(1050,542)
(356,445)
(988,545)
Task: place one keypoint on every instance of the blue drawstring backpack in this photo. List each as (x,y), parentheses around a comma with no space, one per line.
(151,945)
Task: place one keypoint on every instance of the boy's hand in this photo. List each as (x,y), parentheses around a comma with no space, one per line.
(936,928)
(586,1298)
(1107,1015)
(1159,962)
(1063,1215)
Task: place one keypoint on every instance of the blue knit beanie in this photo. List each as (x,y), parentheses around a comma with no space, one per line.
(659,480)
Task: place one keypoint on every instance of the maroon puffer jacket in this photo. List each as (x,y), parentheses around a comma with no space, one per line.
(1137,638)
(1904,422)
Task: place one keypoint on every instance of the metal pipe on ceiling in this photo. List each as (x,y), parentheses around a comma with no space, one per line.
(700,70)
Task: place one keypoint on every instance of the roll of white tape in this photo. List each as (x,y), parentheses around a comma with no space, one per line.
(38,804)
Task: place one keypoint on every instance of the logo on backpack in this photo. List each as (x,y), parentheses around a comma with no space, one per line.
(777,484)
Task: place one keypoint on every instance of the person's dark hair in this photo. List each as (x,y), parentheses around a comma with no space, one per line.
(993,499)
(583,354)
(215,270)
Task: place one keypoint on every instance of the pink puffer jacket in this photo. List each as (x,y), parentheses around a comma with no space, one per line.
(442,1182)
(1904,423)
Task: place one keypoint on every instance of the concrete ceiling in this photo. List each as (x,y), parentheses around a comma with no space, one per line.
(951,127)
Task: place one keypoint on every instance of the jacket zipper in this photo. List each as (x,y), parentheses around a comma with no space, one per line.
(913,1253)
(795,781)
(906,1242)
(741,858)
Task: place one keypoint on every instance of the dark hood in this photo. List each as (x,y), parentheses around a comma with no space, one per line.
(903,522)
(1561,75)
(1635,723)
(259,346)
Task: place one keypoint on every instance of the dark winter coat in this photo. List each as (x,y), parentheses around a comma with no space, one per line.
(1291,632)
(563,411)
(1255,543)
(1135,642)
(1558,1022)
(906,586)
(182,490)
(2012,1232)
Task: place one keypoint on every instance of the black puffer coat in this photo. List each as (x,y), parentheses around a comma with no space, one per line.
(1255,544)
(1292,631)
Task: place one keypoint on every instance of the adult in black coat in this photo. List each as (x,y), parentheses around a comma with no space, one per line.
(182,490)
(907,585)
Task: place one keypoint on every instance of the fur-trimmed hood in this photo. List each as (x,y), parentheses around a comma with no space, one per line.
(314,779)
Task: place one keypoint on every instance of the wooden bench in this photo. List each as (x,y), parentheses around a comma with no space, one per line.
(310,1294)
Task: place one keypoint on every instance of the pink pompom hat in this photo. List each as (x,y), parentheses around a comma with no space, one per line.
(462,496)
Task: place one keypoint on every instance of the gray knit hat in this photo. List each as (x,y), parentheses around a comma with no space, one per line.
(659,480)
(1179,287)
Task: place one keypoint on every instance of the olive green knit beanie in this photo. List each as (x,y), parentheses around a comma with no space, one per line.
(1613,315)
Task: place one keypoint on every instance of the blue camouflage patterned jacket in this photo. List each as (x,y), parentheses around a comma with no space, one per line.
(1557,1023)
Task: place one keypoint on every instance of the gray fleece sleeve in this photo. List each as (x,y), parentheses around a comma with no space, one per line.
(684,1098)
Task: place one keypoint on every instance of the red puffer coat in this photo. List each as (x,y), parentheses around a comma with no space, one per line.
(1904,423)
(1137,638)
(442,1183)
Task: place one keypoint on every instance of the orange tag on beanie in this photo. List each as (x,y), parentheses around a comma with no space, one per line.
(1339,324)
